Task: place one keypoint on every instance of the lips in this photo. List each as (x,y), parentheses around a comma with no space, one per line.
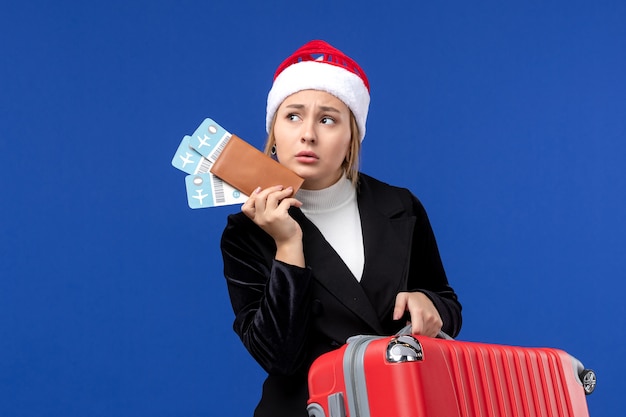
(306,157)
(307,154)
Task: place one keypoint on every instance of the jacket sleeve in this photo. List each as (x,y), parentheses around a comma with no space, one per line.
(270,299)
(427,274)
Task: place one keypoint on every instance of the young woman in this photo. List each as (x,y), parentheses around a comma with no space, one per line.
(346,255)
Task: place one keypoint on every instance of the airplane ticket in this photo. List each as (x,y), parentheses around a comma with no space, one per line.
(195,155)
(207,190)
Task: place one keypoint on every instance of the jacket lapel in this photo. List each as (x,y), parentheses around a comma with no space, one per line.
(332,273)
(387,236)
(387,241)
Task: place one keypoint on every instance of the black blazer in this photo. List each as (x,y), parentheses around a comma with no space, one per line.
(287,316)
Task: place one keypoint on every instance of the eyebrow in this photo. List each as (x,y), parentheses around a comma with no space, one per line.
(322,108)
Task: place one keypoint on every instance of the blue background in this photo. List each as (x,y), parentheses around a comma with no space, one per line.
(507,119)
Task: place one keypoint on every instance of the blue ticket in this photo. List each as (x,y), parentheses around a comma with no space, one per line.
(188,160)
(206,190)
(209,139)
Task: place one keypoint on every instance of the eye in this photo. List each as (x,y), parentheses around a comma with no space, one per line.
(293,117)
(327,120)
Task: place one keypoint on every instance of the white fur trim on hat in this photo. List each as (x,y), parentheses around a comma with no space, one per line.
(318,75)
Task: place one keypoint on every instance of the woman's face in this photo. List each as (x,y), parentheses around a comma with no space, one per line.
(312,134)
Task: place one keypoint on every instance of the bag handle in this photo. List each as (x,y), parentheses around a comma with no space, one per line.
(407,330)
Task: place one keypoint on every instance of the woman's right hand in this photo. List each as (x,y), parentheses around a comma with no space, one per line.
(268,208)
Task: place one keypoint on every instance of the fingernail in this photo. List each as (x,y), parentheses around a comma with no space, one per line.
(256,190)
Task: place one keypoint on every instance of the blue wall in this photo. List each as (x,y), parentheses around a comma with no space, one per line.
(507,121)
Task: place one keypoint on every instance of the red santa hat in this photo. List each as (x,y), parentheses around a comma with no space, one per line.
(319,66)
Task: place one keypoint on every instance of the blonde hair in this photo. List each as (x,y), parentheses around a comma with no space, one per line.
(351,162)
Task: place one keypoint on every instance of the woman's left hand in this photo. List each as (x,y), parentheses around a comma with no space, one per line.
(425,318)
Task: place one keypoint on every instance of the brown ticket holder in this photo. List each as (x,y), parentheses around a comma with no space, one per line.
(245,167)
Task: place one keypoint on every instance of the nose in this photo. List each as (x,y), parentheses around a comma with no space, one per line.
(308,133)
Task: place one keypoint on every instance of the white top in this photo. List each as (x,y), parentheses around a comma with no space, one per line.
(334,211)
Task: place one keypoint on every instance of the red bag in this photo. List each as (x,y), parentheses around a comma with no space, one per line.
(413,376)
